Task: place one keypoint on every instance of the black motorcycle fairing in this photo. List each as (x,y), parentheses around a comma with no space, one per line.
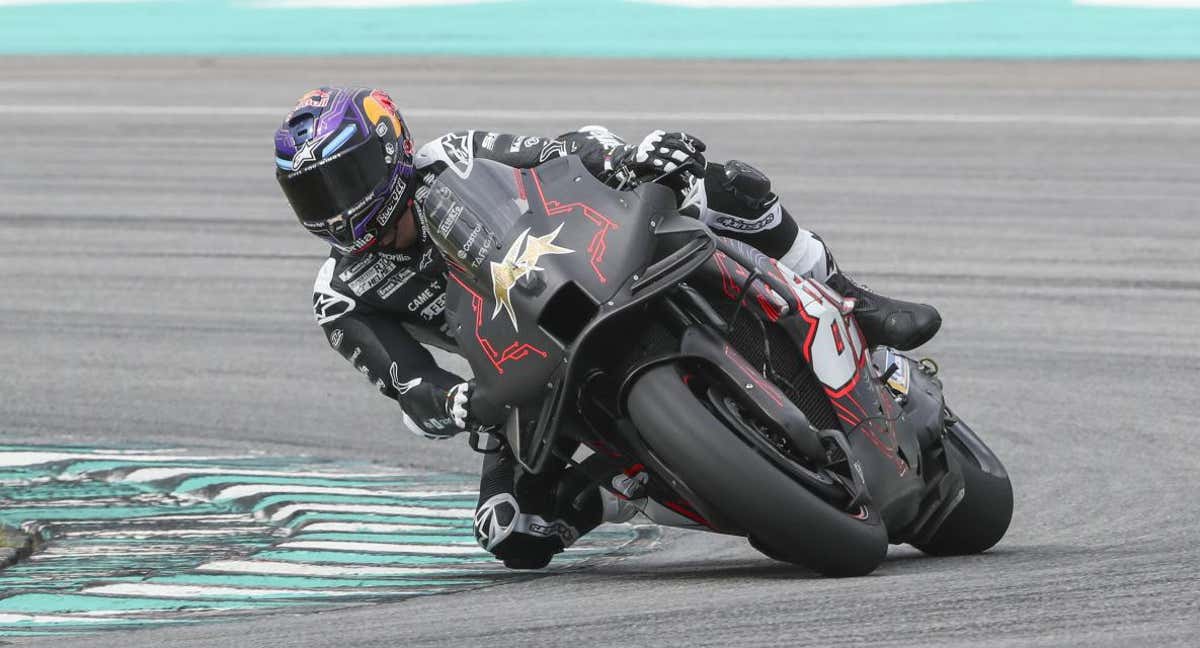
(886,446)
(517,240)
(540,259)
(616,323)
(919,395)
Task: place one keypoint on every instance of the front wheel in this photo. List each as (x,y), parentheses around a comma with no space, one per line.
(983,515)
(787,521)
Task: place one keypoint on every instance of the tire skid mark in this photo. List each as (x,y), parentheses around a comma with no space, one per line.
(150,537)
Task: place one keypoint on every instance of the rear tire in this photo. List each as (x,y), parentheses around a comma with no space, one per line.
(981,519)
(787,521)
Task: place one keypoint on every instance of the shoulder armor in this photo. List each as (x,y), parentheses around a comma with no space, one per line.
(455,150)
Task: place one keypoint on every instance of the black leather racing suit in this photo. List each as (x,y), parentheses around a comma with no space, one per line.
(377,309)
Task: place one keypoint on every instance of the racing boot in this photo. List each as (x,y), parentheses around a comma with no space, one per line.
(883,320)
(886,321)
(525,520)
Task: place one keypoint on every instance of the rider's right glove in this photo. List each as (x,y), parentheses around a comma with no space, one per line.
(658,153)
(436,413)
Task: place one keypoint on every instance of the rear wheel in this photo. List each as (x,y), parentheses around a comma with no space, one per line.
(982,517)
(787,521)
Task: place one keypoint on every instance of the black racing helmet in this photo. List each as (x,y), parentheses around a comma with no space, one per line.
(344,159)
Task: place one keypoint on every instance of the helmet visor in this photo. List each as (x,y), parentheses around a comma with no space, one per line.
(327,194)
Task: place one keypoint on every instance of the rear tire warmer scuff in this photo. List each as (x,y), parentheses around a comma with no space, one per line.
(149,537)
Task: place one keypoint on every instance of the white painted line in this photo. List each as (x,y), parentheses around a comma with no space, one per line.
(248,490)
(583,115)
(288,511)
(158,474)
(166,590)
(15,619)
(283,568)
(99,502)
(167,533)
(367,527)
(9,459)
(149,519)
(381,547)
(59,552)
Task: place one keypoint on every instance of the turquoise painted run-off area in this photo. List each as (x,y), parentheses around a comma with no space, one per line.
(611,28)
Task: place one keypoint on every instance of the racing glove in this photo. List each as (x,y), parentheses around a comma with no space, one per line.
(458,400)
(437,413)
(658,153)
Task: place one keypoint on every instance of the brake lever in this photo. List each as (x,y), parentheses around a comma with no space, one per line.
(683,166)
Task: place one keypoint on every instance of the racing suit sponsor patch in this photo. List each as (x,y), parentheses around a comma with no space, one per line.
(422,298)
(435,308)
(357,267)
(371,277)
(395,282)
(769,219)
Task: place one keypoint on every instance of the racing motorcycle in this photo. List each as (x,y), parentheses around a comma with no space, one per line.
(728,393)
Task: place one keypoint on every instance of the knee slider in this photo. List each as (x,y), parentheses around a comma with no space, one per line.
(496,520)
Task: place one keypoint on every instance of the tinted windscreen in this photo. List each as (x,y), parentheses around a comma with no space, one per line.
(469,217)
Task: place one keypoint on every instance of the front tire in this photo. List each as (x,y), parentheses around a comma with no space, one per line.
(981,519)
(787,521)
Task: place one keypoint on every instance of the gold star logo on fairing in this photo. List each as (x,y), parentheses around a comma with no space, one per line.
(521,260)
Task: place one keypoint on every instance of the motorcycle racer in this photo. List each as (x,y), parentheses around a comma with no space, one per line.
(346,163)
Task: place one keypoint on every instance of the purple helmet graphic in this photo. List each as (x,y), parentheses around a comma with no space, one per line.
(343,158)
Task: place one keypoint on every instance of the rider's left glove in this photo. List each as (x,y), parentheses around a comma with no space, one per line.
(434,412)
(658,153)
(458,403)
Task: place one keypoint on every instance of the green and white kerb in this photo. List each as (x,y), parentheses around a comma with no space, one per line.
(147,537)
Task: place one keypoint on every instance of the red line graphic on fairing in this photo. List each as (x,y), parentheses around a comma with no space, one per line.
(514,351)
(686,511)
(845,414)
(731,288)
(879,429)
(769,309)
(728,285)
(520,185)
(597,247)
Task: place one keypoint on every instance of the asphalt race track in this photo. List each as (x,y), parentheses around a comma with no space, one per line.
(156,292)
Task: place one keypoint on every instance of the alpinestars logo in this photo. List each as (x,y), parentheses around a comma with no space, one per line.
(520,261)
(304,155)
(556,148)
(489,529)
(458,152)
(329,304)
(402,386)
